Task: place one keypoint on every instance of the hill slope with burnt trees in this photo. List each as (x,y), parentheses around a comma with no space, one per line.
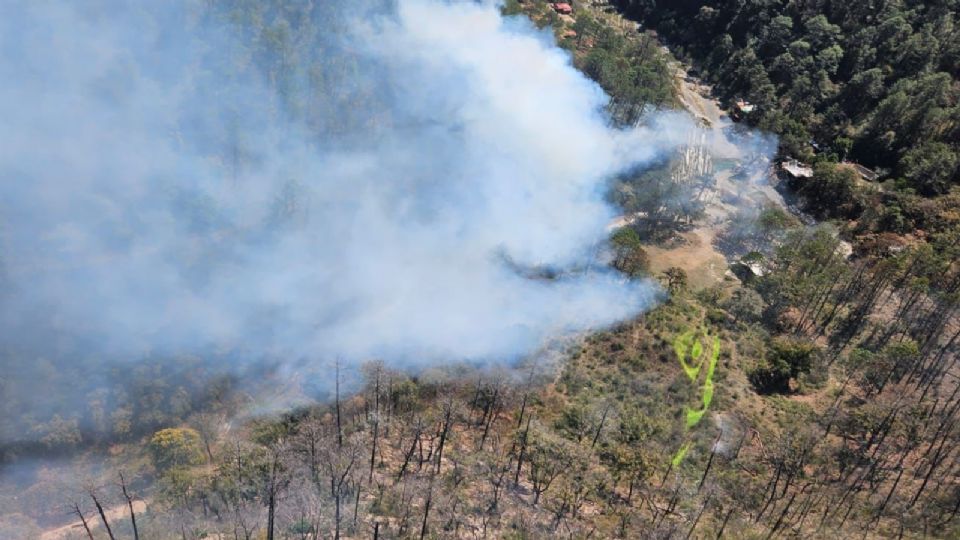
(815,395)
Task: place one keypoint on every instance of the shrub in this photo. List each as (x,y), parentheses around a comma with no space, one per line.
(786,359)
(176,447)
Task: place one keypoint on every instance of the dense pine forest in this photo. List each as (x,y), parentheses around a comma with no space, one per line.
(806,385)
(870,82)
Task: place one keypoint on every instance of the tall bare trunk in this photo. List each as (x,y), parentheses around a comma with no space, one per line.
(83,520)
(133,516)
(103,516)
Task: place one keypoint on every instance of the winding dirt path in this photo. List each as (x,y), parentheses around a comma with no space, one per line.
(690,93)
(116,513)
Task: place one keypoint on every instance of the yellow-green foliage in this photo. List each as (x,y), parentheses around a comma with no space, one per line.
(175,447)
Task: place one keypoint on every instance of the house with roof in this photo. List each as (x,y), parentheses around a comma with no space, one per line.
(750,267)
(742,108)
(796,169)
(867,174)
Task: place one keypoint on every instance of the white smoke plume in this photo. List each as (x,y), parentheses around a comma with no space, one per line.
(173,184)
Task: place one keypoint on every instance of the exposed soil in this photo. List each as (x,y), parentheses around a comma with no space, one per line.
(705,266)
(115,513)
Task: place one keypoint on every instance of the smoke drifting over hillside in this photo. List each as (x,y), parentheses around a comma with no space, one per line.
(353,179)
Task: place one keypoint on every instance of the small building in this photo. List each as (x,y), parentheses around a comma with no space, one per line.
(796,169)
(569,33)
(749,267)
(745,106)
(563,8)
(742,108)
(746,272)
(865,173)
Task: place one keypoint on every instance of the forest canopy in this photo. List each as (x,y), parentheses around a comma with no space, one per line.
(874,82)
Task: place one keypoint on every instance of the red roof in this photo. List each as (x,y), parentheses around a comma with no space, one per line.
(563,8)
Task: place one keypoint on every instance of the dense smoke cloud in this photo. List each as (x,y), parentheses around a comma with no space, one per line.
(296,183)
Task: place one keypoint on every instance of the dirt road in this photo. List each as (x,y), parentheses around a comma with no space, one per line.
(691,93)
(115,514)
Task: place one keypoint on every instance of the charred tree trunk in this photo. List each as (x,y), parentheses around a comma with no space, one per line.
(373,449)
(603,419)
(426,510)
(336,515)
(523,449)
(133,516)
(376,427)
(443,434)
(356,503)
(103,515)
(83,520)
(413,447)
(786,508)
(697,520)
(774,482)
(337,399)
(934,464)
(723,525)
(271,512)
(490,416)
(706,470)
